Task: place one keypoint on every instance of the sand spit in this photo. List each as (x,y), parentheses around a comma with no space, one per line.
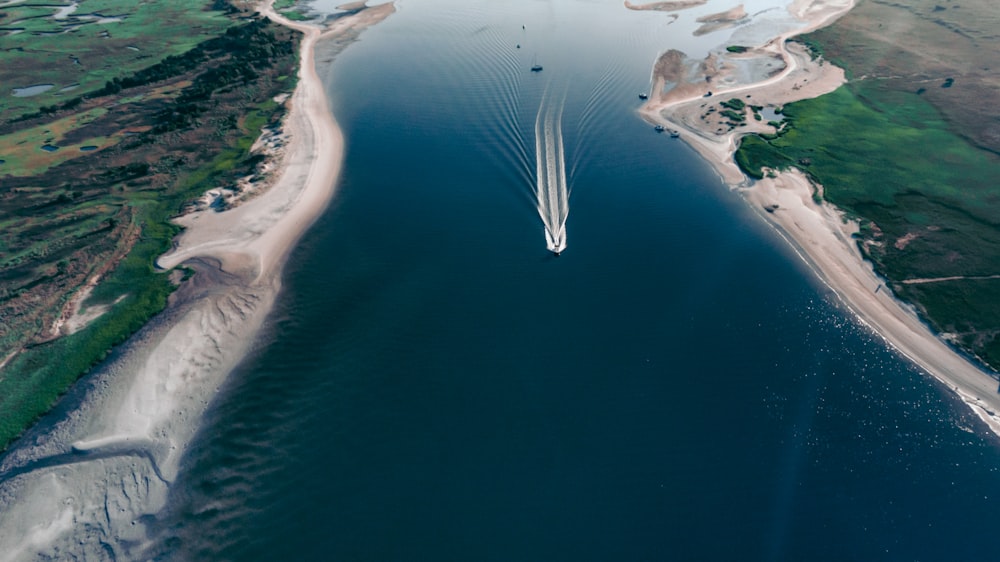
(819,232)
(732,14)
(666,6)
(353,6)
(722,20)
(83,483)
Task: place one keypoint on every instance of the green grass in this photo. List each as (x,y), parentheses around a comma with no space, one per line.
(288,9)
(815,48)
(32,381)
(47,216)
(889,159)
(295,15)
(157,29)
(22,153)
(734,116)
(872,154)
(736,104)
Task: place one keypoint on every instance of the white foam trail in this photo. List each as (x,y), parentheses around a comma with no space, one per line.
(551,189)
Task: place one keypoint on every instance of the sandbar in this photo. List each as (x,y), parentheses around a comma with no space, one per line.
(673,6)
(721,20)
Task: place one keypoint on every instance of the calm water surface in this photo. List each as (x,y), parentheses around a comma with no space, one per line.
(435,385)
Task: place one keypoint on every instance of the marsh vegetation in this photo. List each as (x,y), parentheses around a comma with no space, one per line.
(165,129)
(914,164)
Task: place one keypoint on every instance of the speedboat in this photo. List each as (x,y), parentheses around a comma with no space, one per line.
(659,128)
(536,68)
(643,96)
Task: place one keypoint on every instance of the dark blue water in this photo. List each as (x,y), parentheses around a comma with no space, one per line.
(435,385)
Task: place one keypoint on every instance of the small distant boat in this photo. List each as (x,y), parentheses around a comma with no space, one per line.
(674,133)
(643,96)
(536,68)
(659,128)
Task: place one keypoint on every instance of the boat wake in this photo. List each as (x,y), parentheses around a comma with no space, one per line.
(551,189)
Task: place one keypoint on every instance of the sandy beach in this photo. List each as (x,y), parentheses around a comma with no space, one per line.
(818,231)
(259,234)
(94,472)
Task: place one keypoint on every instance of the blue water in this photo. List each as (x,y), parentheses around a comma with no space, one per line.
(29,91)
(435,385)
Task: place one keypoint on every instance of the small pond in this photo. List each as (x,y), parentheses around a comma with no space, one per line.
(32,90)
(769,114)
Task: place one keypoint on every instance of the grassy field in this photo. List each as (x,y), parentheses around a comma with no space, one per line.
(164,133)
(927,198)
(22,150)
(920,46)
(290,9)
(99,41)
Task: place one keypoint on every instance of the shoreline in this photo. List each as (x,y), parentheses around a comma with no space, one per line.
(819,232)
(121,439)
(259,233)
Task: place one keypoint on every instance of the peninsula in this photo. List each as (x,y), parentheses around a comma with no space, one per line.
(715,110)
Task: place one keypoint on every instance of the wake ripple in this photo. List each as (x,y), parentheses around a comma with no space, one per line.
(601,97)
(551,189)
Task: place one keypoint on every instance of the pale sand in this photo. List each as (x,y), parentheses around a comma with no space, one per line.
(84,484)
(249,243)
(722,20)
(732,14)
(351,6)
(673,6)
(259,233)
(818,231)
